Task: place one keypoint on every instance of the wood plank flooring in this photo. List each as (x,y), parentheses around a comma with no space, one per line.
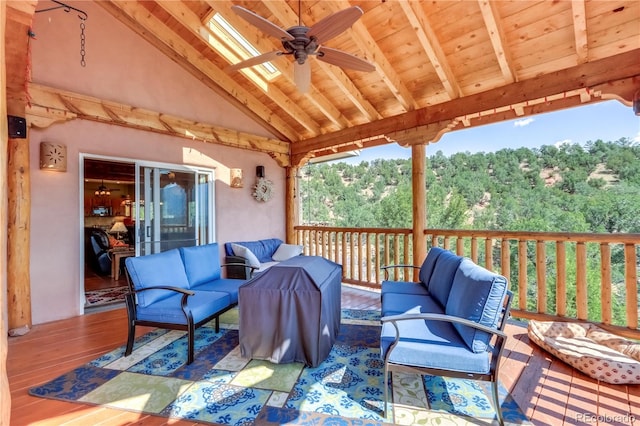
(548,391)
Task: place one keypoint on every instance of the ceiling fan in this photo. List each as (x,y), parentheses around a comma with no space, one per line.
(302,41)
(103,191)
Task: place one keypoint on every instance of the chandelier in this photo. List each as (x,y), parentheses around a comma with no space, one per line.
(102,190)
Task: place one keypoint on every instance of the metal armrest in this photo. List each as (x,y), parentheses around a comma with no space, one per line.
(394,319)
(386,269)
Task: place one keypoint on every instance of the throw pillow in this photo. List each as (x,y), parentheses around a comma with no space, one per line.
(286,251)
(242,251)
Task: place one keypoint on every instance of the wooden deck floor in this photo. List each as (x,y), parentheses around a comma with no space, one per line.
(547,390)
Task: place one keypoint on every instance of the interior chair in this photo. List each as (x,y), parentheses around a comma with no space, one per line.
(96,250)
(443,366)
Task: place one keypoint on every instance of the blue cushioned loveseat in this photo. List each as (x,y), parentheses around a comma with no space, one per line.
(256,256)
(178,289)
(448,324)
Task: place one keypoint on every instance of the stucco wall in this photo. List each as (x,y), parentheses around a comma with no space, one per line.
(124,68)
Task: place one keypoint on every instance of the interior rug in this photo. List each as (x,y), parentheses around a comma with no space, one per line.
(105,296)
(221,387)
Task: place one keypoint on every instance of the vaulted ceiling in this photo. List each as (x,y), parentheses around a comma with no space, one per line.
(439,65)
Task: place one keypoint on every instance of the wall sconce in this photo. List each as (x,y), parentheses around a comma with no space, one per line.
(53,157)
(236,178)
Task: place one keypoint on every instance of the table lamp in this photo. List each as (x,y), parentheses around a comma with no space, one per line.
(117,228)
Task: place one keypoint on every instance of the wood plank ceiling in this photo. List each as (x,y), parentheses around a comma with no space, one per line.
(440,65)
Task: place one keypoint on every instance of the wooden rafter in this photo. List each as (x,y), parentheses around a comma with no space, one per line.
(430,44)
(156,32)
(375,55)
(498,39)
(580,30)
(287,17)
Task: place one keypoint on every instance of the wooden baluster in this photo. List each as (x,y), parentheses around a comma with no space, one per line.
(408,256)
(474,249)
(522,275)
(505,259)
(561,278)
(541,276)
(460,246)
(488,254)
(344,254)
(631,281)
(605,280)
(581,281)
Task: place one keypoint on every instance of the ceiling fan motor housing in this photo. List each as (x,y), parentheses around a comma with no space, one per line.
(301,46)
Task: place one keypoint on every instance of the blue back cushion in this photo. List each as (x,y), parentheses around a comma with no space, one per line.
(263,249)
(429,262)
(201,263)
(477,295)
(161,269)
(442,276)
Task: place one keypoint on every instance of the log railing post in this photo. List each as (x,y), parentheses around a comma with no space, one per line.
(291,203)
(418,161)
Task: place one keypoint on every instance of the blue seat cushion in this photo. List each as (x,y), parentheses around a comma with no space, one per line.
(202,305)
(263,249)
(201,263)
(477,294)
(226,285)
(404,287)
(397,303)
(426,270)
(442,276)
(431,344)
(160,269)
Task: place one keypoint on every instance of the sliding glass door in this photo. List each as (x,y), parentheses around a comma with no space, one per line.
(173,208)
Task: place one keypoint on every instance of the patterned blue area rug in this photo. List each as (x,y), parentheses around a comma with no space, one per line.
(221,387)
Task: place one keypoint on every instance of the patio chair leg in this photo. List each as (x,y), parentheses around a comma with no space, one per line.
(191,336)
(496,401)
(130,338)
(385,410)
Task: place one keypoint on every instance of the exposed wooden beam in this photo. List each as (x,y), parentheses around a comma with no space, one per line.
(498,39)
(430,44)
(287,17)
(155,32)
(580,30)
(60,104)
(604,71)
(375,55)
(192,22)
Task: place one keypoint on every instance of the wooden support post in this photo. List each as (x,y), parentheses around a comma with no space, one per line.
(418,161)
(292,195)
(5,393)
(18,228)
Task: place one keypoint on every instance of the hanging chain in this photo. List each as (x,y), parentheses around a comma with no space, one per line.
(82,42)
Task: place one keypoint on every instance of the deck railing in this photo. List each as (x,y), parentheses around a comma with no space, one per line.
(554,276)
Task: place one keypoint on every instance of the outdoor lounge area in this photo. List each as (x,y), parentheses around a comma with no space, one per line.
(193,123)
(548,391)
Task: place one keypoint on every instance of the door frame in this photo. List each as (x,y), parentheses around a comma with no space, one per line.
(211,171)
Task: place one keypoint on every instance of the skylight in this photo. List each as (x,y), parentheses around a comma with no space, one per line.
(238,45)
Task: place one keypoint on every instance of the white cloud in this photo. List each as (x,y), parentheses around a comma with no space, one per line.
(558,144)
(636,139)
(523,122)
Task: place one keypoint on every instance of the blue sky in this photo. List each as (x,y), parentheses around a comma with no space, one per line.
(608,121)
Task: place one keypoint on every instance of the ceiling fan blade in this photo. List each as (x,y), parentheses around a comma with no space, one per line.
(262,24)
(344,60)
(302,76)
(329,27)
(256,60)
